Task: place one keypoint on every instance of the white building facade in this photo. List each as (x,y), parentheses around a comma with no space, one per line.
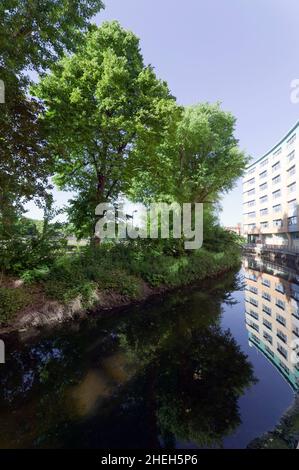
(271,195)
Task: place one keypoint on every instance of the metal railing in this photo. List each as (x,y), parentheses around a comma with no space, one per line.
(274,248)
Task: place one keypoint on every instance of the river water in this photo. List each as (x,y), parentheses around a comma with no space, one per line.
(190,370)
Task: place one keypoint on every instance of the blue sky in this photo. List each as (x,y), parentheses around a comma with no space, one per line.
(243,53)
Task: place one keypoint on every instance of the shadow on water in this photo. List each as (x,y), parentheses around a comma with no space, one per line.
(164,374)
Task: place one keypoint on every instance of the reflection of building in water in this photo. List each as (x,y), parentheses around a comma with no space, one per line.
(272,317)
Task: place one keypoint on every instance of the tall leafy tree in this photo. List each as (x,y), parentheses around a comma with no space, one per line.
(106,112)
(202,161)
(198,164)
(209,158)
(33,34)
(25,162)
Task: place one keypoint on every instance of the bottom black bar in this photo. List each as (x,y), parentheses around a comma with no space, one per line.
(137,458)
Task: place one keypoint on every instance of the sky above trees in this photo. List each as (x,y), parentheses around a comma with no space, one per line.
(240,53)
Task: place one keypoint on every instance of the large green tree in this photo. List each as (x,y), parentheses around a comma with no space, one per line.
(33,34)
(202,161)
(25,162)
(106,113)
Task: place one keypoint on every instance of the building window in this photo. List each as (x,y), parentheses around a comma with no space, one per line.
(269,351)
(263,174)
(264,224)
(267,337)
(295,293)
(281,319)
(254,326)
(264,211)
(291,140)
(251,203)
(267,324)
(251,171)
(276,180)
(251,215)
(266,282)
(292,188)
(277,152)
(296,330)
(253,314)
(253,301)
(251,192)
(295,313)
(280,304)
(280,288)
(276,194)
(263,186)
(277,208)
(276,166)
(291,156)
(292,206)
(280,334)
(282,351)
(267,310)
(255,338)
(292,220)
(251,181)
(263,199)
(277,223)
(266,296)
(264,163)
(291,171)
(284,367)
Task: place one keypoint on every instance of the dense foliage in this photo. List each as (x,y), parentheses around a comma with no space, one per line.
(199,163)
(31,244)
(106,112)
(11,301)
(33,35)
(121,268)
(104,126)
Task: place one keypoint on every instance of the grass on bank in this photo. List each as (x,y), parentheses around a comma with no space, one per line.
(121,268)
(12,300)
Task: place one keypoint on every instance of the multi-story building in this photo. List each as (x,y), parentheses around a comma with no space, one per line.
(272,319)
(271,195)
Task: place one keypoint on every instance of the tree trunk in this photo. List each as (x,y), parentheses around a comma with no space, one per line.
(100,198)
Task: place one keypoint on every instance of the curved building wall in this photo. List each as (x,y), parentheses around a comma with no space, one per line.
(271,194)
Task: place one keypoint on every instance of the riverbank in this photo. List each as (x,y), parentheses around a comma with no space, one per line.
(101,279)
(285,435)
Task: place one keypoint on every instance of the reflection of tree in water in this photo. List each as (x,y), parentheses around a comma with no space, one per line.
(161,373)
(195,372)
(32,387)
(199,384)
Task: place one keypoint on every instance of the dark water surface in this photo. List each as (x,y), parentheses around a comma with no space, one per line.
(177,372)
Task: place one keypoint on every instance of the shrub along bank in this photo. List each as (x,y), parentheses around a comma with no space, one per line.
(122,269)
